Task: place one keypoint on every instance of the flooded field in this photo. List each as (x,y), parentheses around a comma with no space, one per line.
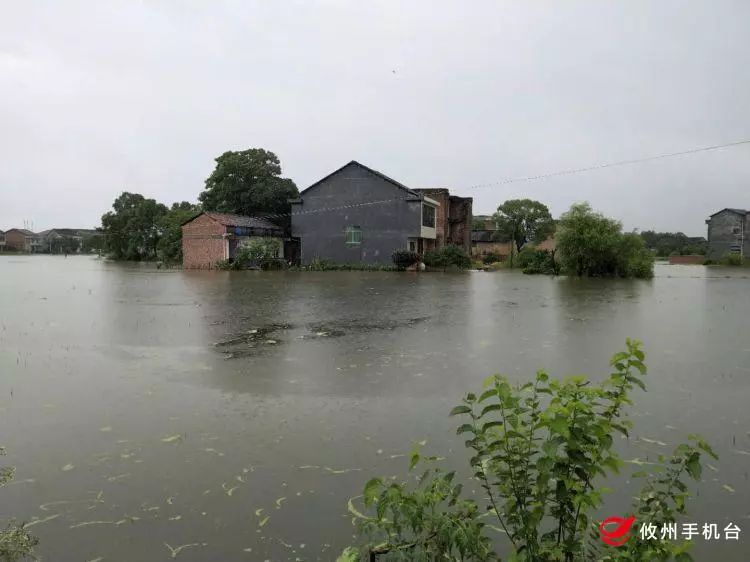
(156,415)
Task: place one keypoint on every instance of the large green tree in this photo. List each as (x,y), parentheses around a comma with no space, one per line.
(170,224)
(132,230)
(590,244)
(248,182)
(522,221)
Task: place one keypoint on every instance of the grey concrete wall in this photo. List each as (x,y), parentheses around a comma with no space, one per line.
(385,226)
(721,236)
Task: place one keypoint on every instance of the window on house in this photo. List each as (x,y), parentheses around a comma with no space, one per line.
(412,245)
(353,235)
(428,216)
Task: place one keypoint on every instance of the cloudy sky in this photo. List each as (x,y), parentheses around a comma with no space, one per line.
(103,96)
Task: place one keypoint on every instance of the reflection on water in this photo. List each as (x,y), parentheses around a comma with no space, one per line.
(231,415)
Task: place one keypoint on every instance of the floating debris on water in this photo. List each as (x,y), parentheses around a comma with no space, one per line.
(37,521)
(68,467)
(172,438)
(175,551)
(653,441)
(106,428)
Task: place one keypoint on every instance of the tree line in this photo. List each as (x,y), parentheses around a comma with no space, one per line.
(244,182)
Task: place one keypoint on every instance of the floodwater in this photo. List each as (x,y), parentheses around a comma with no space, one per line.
(158,415)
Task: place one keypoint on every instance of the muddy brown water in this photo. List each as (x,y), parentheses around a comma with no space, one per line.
(154,414)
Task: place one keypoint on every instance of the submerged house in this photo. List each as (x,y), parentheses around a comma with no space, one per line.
(209,237)
(728,232)
(359,215)
(23,240)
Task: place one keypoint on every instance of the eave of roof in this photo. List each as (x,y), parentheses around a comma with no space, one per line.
(731,210)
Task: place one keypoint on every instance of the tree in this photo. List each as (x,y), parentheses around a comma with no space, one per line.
(674,243)
(540,451)
(522,221)
(248,182)
(593,245)
(133,230)
(170,225)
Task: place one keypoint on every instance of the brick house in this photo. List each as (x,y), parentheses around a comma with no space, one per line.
(359,215)
(23,240)
(453,218)
(210,237)
(728,233)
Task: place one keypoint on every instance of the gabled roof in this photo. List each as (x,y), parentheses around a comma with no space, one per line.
(375,172)
(229,219)
(731,210)
(23,231)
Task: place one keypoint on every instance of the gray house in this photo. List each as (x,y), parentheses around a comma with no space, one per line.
(357,214)
(728,232)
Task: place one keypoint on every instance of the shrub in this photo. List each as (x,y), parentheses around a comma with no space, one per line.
(540,262)
(538,450)
(256,251)
(16,543)
(731,259)
(447,256)
(404,258)
(491,258)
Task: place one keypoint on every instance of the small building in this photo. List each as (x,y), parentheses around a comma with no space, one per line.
(2,240)
(728,232)
(23,240)
(359,215)
(484,242)
(209,237)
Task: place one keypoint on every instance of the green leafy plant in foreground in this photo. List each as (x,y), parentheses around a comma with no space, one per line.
(15,542)
(539,451)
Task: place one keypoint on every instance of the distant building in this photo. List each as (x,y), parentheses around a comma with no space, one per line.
(2,240)
(209,237)
(22,240)
(728,232)
(65,240)
(359,215)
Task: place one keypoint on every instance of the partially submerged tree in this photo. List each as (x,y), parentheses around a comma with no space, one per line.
(540,451)
(170,225)
(132,230)
(248,182)
(593,245)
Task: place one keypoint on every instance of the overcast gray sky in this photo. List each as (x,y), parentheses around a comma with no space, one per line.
(100,97)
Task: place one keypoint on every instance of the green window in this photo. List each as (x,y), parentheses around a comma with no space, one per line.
(353,236)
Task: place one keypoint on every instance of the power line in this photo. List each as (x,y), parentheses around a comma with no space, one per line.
(523,179)
(609,165)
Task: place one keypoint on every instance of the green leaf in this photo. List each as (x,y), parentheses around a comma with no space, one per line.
(458,410)
(465,428)
(372,490)
(487,394)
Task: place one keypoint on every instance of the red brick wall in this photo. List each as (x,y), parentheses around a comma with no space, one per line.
(687,260)
(202,243)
